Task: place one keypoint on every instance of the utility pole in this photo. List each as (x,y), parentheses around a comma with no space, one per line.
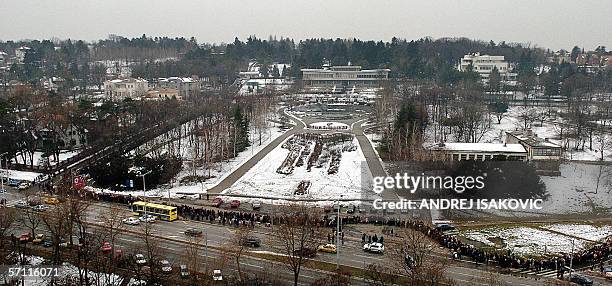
(144,194)
(2,175)
(571,260)
(338,237)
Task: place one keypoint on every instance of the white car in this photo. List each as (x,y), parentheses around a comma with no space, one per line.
(165,266)
(140,259)
(256,205)
(147,218)
(40,208)
(374,247)
(217,275)
(23,186)
(131,221)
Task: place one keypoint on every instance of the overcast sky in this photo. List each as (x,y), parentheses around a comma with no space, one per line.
(546,23)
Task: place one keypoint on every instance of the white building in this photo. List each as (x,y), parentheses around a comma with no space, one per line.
(120,89)
(343,77)
(537,148)
(3,57)
(186,86)
(20,53)
(480,151)
(484,65)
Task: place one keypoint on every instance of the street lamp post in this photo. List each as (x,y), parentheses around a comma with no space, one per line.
(338,236)
(144,193)
(2,175)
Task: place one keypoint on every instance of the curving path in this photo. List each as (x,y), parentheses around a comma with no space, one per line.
(238,173)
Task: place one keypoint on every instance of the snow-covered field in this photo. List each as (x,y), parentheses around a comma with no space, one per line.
(351,180)
(218,172)
(512,121)
(67,272)
(539,241)
(578,189)
(39,160)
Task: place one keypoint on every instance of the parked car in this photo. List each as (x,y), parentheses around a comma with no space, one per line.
(165,266)
(140,259)
(306,252)
(13,182)
(184,271)
(147,218)
(193,232)
(252,241)
(217,276)
(581,280)
(445,227)
(217,202)
(362,209)
(25,237)
(38,239)
(106,247)
(23,186)
(47,243)
(131,221)
(234,203)
(40,208)
(608,272)
(351,209)
(22,205)
(329,248)
(256,205)
(374,247)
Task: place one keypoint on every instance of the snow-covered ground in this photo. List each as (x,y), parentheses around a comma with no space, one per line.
(351,181)
(512,121)
(67,272)
(218,172)
(578,189)
(39,160)
(538,241)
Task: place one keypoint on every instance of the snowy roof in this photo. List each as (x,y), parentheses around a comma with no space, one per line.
(532,139)
(478,147)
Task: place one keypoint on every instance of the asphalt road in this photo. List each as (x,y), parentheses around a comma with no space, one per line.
(173,244)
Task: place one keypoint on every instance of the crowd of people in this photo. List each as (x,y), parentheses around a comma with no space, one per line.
(459,249)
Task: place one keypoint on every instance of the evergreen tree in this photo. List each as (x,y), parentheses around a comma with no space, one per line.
(494,80)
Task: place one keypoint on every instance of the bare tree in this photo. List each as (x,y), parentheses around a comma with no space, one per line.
(299,233)
(237,246)
(31,219)
(412,258)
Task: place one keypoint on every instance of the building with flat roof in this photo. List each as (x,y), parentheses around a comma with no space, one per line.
(120,89)
(484,65)
(342,78)
(480,151)
(537,148)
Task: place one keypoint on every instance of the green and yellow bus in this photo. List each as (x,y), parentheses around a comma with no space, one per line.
(163,212)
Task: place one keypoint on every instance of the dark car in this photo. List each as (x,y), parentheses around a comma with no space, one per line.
(252,242)
(581,280)
(193,232)
(351,209)
(306,252)
(47,243)
(445,227)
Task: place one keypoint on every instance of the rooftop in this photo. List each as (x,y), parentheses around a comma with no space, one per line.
(478,147)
